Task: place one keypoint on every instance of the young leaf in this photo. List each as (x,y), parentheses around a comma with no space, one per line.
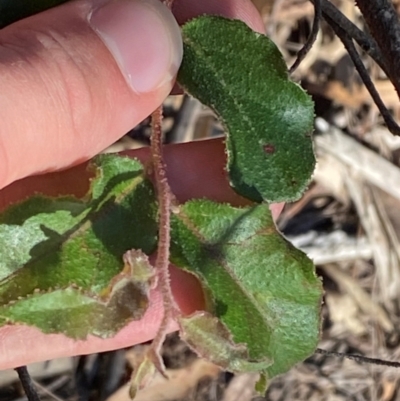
(211,339)
(142,375)
(242,76)
(262,289)
(65,256)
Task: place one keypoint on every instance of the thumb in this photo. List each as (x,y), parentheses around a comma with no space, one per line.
(79,76)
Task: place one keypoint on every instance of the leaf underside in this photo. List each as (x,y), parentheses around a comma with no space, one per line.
(242,76)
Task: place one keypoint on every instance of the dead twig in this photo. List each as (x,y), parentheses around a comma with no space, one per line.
(311,39)
(359,358)
(384,25)
(27,384)
(334,16)
(362,71)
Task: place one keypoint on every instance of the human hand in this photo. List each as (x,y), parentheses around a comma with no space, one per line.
(67,94)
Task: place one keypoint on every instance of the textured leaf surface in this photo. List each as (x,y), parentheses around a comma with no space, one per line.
(65,257)
(242,76)
(211,338)
(263,289)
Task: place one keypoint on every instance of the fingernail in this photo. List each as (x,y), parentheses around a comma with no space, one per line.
(144,38)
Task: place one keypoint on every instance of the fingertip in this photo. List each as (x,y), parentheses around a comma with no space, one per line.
(144,38)
(77,94)
(276,209)
(187,291)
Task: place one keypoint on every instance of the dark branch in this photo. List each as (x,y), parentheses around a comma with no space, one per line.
(332,15)
(359,358)
(355,57)
(27,384)
(384,25)
(311,39)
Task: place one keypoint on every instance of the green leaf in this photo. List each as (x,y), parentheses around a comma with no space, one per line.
(262,289)
(61,255)
(242,76)
(211,339)
(84,312)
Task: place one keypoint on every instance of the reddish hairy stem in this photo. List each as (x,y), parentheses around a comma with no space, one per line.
(164,238)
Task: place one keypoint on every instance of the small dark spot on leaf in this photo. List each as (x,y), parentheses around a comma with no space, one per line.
(269,148)
(221,308)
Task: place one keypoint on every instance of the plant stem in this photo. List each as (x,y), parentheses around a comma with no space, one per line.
(164,238)
(334,16)
(384,25)
(362,71)
(359,358)
(347,32)
(301,55)
(26,381)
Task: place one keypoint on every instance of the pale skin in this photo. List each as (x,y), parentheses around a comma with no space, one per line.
(194,170)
